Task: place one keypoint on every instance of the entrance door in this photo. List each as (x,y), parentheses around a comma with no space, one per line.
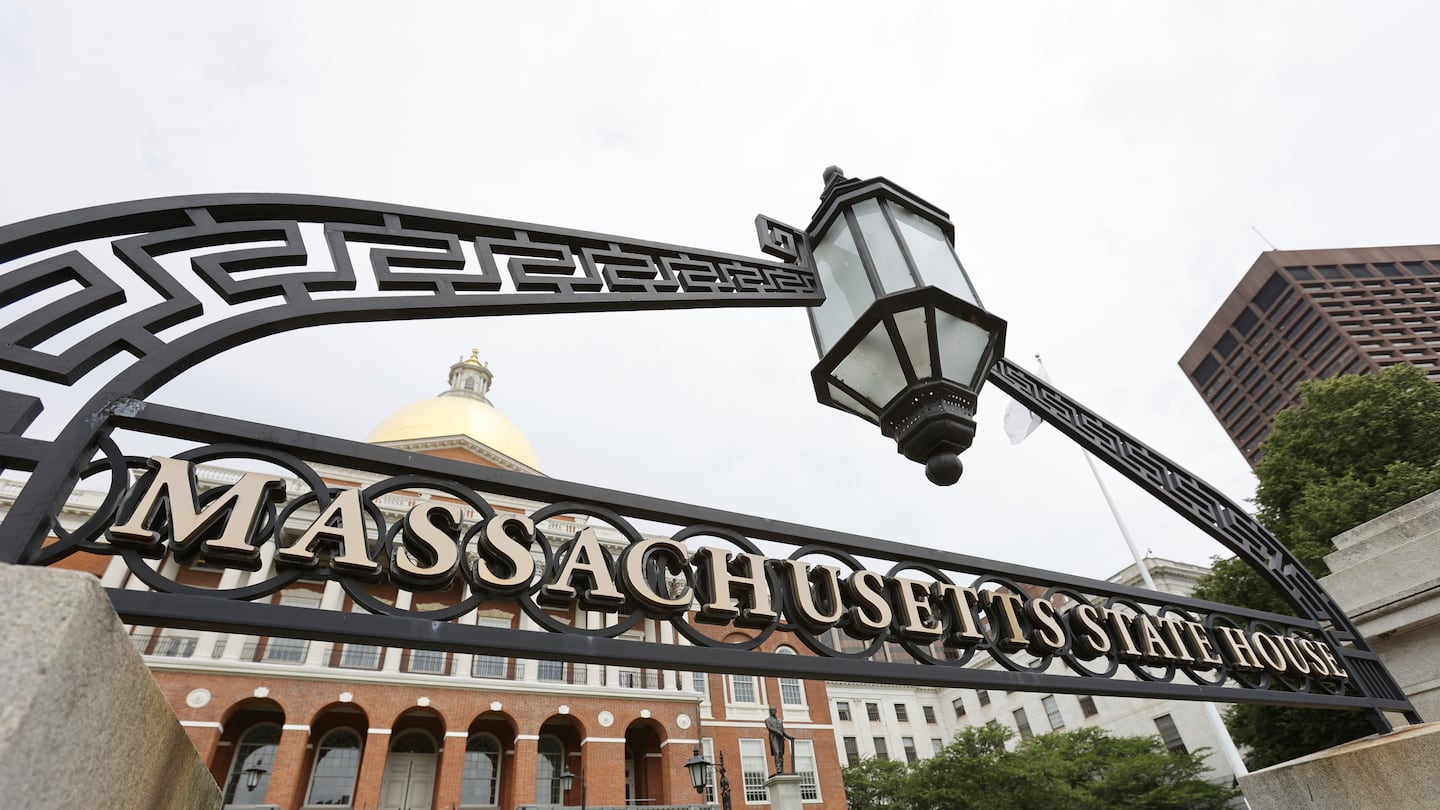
(409,782)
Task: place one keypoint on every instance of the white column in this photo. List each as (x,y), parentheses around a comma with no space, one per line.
(318,653)
(115,573)
(591,622)
(532,667)
(393,654)
(461,662)
(205,647)
(667,636)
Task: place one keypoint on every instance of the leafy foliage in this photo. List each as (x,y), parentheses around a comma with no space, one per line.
(1356,448)
(1085,769)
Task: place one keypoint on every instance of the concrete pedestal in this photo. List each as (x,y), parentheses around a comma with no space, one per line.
(784,791)
(1398,771)
(82,723)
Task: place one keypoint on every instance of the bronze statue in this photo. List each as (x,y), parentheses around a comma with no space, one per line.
(777,740)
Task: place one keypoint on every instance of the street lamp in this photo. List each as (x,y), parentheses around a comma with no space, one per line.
(699,768)
(567,779)
(252,777)
(903,340)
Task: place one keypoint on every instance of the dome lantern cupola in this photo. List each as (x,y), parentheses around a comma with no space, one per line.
(470,377)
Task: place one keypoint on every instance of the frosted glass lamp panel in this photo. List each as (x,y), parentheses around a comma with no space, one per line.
(847,289)
(933,255)
(914,330)
(872,369)
(890,265)
(851,404)
(962,347)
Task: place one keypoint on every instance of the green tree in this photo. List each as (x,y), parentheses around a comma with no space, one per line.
(1086,769)
(874,783)
(1355,448)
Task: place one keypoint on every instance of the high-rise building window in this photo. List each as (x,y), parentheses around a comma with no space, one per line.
(842,710)
(929,712)
(901,713)
(872,710)
(1052,712)
(1170,734)
(984,696)
(908,744)
(852,751)
(959,705)
(1087,706)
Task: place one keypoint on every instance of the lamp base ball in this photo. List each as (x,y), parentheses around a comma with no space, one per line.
(943,469)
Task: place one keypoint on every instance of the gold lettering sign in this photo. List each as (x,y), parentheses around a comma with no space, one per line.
(665,578)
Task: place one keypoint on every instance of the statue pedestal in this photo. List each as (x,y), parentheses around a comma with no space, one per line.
(784,791)
(82,723)
(1396,771)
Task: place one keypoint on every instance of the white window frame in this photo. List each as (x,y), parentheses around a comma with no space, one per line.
(734,680)
(804,765)
(791,686)
(320,749)
(490,660)
(1052,712)
(499,762)
(753,790)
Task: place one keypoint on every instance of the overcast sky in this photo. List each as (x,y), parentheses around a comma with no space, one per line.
(1104,164)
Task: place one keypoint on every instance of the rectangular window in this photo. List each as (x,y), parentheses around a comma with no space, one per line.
(699,682)
(490,666)
(1087,706)
(842,710)
(936,744)
(805,768)
(872,710)
(880,750)
(984,696)
(1052,712)
(551,670)
(790,693)
(1022,723)
(174,646)
(1170,734)
(742,688)
(901,714)
(755,771)
(908,743)
(707,747)
(285,650)
(430,662)
(959,706)
(929,712)
(360,656)
(852,751)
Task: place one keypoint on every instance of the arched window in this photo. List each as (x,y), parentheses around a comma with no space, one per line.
(548,766)
(413,741)
(254,758)
(480,784)
(337,761)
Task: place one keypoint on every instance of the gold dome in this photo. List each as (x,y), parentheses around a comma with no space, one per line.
(462,411)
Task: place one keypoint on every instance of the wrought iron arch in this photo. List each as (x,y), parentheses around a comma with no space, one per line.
(254,254)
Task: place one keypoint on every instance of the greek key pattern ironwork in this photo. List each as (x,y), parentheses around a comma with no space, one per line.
(422,262)
(1202,505)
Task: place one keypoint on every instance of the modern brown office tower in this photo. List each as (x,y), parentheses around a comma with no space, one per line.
(1312,314)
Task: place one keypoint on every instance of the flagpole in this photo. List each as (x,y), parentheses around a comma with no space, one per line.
(1212,714)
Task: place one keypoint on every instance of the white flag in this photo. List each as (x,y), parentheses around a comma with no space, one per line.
(1020,422)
